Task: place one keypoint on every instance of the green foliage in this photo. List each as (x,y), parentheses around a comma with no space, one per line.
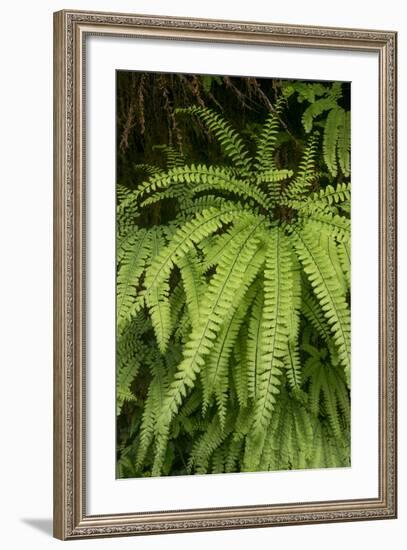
(324,101)
(233,299)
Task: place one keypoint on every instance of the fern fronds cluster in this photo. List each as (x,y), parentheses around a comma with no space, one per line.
(233,305)
(325,110)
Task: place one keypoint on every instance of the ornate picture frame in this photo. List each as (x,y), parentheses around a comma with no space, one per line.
(71,518)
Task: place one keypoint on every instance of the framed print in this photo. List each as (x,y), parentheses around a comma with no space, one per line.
(225,274)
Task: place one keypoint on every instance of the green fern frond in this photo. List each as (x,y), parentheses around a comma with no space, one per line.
(234,453)
(230,141)
(183,240)
(187,181)
(273,176)
(343,144)
(242,188)
(123,243)
(152,406)
(239,367)
(194,284)
(205,202)
(214,248)
(173,157)
(122,192)
(205,447)
(312,311)
(177,303)
(133,258)
(332,195)
(327,392)
(289,438)
(216,305)
(255,344)
(265,145)
(316,109)
(327,290)
(322,199)
(305,175)
(127,213)
(337,226)
(148,169)
(328,452)
(302,437)
(336,121)
(331,135)
(129,355)
(128,367)
(218,460)
(243,423)
(307,91)
(292,360)
(186,175)
(275,318)
(343,249)
(157,297)
(180,192)
(327,243)
(216,371)
(273,180)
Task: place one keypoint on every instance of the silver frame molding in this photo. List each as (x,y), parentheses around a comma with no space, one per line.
(70,518)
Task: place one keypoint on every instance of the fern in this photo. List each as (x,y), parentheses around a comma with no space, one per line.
(230,141)
(239,368)
(322,200)
(336,140)
(345,259)
(128,359)
(233,297)
(327,290)
(194,284)
(255,344)
(275,320)
(337,226)
(153,403)
(327,392)
(133,256)
(207,445)
(292,360)
(300,184)
(264,160)
(191,180)
(173,157)
(215,306)
(313,313)
(216,373)
(289,437)
(343,143)
(157,297)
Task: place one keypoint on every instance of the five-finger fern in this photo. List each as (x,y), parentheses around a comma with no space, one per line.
(233,305)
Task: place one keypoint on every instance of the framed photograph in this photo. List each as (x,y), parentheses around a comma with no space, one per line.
(225,274)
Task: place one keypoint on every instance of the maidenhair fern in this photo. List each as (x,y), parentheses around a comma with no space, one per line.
(233,308)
